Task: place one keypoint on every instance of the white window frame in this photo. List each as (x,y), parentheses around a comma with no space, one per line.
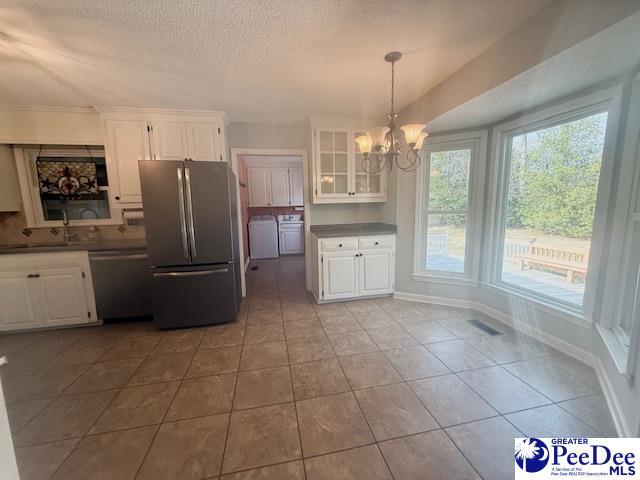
(476,141)
(624,346)
(30,190)
(609,100)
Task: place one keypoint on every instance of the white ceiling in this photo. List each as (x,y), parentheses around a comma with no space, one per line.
(262,61)
(604,56)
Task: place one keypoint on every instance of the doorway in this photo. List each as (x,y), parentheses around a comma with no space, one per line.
(273,189)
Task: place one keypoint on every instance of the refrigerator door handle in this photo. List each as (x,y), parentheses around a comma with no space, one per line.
(191,274)
(192,233)
(183,227)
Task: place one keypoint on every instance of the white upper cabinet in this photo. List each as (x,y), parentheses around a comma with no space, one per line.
(133,135)
(203,141)
(127,142)
(338,176)
(275,186)
(279,178)
(259,187)
(296,189)
(9,186)
(169,140)
(333,167)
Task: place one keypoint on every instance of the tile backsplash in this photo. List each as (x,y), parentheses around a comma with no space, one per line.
(13,230)
(274,211)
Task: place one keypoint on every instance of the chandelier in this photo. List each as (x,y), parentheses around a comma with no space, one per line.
(380,147)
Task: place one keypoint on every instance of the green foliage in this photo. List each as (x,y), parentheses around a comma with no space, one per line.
(553,185)
(449,184)
(554,178)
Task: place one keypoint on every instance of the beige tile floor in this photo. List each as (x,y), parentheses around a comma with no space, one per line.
(377,389)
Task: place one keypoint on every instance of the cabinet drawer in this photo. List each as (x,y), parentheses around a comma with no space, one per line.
(338,244)
(387,241)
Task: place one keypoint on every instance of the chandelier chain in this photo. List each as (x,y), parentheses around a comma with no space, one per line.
(393,83)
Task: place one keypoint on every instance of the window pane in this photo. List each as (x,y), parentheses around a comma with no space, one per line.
(71,186)
(446,238)
(630,307)
(449,180)
(553,184)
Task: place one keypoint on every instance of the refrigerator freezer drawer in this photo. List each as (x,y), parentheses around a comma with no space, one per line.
(194,296)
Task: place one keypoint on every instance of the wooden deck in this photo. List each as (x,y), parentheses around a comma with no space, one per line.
(550,284)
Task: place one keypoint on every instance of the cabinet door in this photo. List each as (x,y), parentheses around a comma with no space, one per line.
(169,140)
(203,140)
(62,296)
(291,241)
(18,300)
(127,142)
(333,172)
(340,275)
(279,178)
(366,185)
(259,187)
(296,192)
(376,272)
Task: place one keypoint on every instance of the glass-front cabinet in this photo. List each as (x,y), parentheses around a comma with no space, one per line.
(334,163)
(367,185)
(338,171)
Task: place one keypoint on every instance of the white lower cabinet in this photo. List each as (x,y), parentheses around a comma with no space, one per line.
(376,272)
(340,275)
(291,239)
(45,289)
(352,267)
(18,297)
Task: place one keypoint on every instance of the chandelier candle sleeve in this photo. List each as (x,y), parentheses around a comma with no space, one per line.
(364,143)
(412,133)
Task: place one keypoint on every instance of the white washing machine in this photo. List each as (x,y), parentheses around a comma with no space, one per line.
(263,237)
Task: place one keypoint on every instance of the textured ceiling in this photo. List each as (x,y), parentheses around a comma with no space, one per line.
(604,56)
(262,61)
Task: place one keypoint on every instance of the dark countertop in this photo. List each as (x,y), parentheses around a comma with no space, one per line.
(100,245)
(353,229)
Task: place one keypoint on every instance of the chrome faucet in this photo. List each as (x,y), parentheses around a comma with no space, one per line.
(68,236)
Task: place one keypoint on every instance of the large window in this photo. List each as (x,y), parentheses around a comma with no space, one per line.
(552,173)
(448,217)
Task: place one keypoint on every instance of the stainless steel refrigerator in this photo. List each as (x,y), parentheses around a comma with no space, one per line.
(190,217)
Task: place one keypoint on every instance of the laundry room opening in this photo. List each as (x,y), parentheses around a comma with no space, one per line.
(271,207)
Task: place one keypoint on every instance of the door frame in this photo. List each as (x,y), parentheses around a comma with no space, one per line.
(303,153)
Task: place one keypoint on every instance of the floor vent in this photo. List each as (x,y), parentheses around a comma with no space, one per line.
(484,327)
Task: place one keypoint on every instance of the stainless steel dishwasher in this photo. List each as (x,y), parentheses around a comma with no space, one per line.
(122,283)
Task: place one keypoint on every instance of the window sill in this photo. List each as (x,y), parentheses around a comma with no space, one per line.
(445,279)
(103,222)
(572,315)
(616,350)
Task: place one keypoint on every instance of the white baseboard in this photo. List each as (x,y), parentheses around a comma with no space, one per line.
(246,263)
(622,426)
(550,340)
